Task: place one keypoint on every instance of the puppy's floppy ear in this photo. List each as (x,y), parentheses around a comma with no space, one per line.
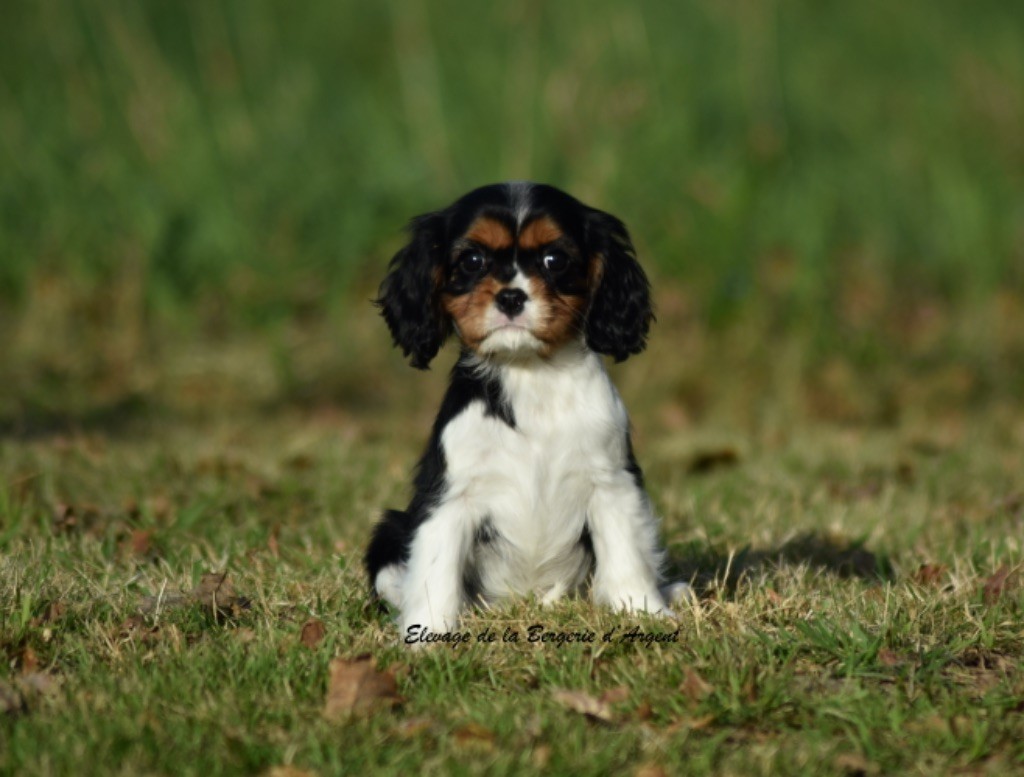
(408,296)
(620,306)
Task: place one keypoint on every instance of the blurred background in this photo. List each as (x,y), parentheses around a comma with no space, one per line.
(198,199)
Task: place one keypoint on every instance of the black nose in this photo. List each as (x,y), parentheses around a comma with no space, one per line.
(510,301)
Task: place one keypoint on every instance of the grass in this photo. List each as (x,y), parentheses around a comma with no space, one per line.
(859,579)
(199,198)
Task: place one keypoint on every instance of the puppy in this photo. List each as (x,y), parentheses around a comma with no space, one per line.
(528,483)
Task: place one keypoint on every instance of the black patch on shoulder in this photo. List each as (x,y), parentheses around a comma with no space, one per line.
(467,385)
(393,534)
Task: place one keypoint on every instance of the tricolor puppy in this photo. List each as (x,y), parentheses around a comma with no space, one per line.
(528,483)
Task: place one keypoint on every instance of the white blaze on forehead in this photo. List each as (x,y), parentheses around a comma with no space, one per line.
(519,195)
(520,281)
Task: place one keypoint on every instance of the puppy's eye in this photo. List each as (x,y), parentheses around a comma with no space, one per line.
(555,261)
(471,262)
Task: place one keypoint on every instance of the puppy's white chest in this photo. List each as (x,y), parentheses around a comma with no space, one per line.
(528,486)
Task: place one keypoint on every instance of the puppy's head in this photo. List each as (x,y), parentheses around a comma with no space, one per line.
(516,269)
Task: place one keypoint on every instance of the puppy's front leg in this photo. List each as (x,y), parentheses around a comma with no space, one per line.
(625,536)
(433,590)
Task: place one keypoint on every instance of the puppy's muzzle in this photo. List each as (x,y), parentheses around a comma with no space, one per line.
(510,301)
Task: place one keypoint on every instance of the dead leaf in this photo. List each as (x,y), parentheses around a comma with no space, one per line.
(584,703)
(694,686)
(650,770)
(887,657)
(930,574)
(139,543)
(540,756)
(644,711)
(998,583)
(287,771)
(272,543)
(855,764)
(217,593)
(29,661)
(64,518)
(413,727)
(356,687)
(313,632)
(690,724)
(474,735)
(615,695)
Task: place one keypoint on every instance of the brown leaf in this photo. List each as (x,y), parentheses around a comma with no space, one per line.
(930,574)
(29,661)
(139,543)
(355,687)
(690,724)
(272,543)
(584,703)
(64,518)
(694,686)
(217,593)
(650,770)
(644,711)
(474,735)
(615,695)
(413,727)
(287,771)
(855,764)
(887,657)
(313,632)
(996,585)
(540,756)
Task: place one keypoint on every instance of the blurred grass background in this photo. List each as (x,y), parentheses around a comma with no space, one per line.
(181,177)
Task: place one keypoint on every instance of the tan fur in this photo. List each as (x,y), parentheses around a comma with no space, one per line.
(539,232)
(469,310)
(489,233)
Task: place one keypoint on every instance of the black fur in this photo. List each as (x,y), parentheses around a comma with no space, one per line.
(620,312)
(407,297)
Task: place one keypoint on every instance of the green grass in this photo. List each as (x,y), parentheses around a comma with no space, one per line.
(244,161)
(197,202)
(842,562)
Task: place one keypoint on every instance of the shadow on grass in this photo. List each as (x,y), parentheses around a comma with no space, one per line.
(113,418)
(833,555)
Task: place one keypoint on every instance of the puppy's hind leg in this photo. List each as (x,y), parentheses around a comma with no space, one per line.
(678,592)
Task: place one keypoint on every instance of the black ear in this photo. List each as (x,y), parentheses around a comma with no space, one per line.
(620,307)
(408,297)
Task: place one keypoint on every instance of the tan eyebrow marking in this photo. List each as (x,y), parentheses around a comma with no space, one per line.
(539,232)
(490,233)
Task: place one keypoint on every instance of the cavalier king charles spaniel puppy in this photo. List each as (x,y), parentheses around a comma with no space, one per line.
(528,483)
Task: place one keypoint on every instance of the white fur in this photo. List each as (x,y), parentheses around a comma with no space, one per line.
(561,468)
(519,192)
